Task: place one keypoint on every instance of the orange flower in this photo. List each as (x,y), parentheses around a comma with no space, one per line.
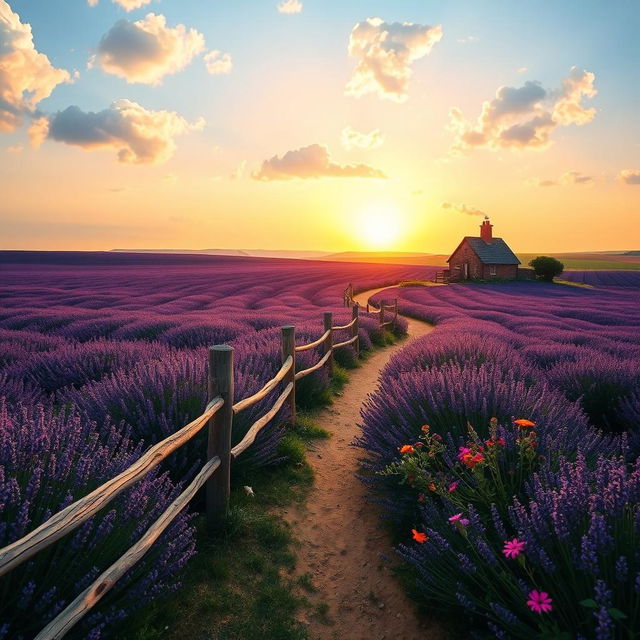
(523,424)
(471,460)
(425,428)
(406,448)
(418,536)
(432,486)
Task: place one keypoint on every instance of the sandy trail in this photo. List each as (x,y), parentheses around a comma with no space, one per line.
(343,546)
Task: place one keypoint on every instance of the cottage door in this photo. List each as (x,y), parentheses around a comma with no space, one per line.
(466,270)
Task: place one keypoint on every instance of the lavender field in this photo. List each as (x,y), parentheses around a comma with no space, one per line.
(503,445)
(102,355)
(505,448)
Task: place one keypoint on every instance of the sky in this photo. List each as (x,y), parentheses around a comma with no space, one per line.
(331,125)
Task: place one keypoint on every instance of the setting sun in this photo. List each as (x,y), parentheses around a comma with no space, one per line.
(379,225)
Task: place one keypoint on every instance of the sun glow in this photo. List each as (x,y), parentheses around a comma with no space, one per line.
(379,225)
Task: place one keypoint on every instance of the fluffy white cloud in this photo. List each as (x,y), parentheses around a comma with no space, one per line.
(352,139)
(463,208)
(127,5)
(525,117)
(567,109)
(567,178)
(26,76)
(385,52)
(146,50)
(138,135)
(290,6)
(313,161)
(218,63)
(630,176)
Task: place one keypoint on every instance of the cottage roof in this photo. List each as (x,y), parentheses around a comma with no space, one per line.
(495,252)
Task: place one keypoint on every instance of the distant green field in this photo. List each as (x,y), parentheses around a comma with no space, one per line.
(589,262)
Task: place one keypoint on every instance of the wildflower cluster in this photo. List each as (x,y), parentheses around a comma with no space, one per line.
(482,471)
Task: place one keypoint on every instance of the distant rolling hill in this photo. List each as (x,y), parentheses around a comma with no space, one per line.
(388,257)
(585,260)
(246,253)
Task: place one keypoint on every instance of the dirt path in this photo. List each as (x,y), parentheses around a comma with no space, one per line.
(343,545)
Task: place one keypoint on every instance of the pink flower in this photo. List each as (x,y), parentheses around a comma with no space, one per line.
(539,602)
(513,548)
(464,451)
(453,486)
(458,520)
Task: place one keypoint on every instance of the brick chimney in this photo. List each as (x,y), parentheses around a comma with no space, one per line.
(485,230)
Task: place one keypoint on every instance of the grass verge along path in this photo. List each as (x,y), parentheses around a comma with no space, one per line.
(344,547)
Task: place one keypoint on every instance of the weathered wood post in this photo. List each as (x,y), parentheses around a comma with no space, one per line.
(367,307)
(355,315)
(288,348)
(328,343)
(220,383)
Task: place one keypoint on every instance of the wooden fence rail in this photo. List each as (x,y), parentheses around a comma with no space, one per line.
(350,301)
(214,475)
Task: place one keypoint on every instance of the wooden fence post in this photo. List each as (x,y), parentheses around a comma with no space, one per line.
(288,348)
(355,315)
(220,383)
(328,343)
(381,313)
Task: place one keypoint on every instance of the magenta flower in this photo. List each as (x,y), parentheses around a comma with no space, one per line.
(464,451)
(453,486)
(539,602)
(513,548)
(458,520)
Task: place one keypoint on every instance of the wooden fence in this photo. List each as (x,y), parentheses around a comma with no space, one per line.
(214,475)
(350,301)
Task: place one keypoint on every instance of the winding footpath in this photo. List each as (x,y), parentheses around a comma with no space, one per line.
(342,543)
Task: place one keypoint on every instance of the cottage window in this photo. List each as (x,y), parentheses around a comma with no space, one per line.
(493,271)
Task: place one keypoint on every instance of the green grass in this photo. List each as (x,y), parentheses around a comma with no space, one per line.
(582,285)
(417,283)
(240,586)
(588,262)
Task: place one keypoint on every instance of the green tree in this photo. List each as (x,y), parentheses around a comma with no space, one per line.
(546,268)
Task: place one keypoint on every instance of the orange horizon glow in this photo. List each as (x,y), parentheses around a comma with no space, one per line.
(316,155)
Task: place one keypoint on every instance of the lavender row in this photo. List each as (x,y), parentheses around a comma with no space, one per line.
(504,447)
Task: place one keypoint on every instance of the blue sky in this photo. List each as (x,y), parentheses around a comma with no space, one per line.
(286,92)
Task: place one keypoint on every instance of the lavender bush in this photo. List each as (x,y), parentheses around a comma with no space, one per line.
(48,459)
(563,564)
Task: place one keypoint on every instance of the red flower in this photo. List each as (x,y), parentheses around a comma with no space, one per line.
(418,536)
